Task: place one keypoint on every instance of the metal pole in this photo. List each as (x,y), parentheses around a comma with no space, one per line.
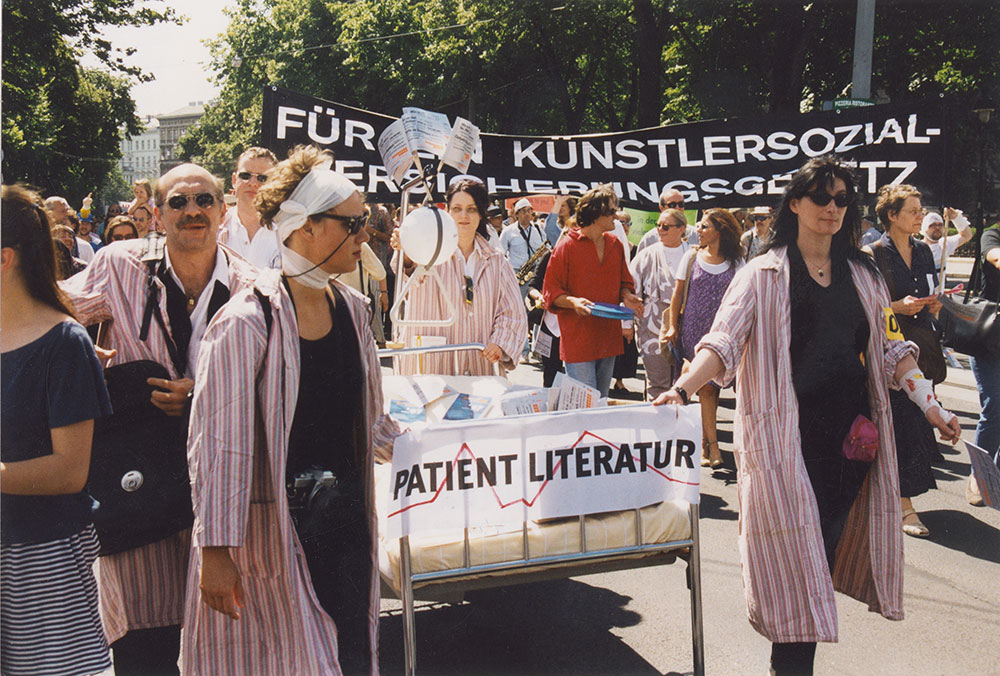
(694,573)
(864,33)
(409,621)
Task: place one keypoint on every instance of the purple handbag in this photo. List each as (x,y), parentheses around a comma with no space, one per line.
(861,442)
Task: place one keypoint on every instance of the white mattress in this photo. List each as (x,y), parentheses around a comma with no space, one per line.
(663,522)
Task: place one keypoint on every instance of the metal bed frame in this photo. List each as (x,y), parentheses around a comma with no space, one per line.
(535,569)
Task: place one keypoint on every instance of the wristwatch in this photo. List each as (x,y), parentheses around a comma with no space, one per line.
(682,393)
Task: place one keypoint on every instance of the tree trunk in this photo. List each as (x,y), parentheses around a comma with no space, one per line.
(649,63)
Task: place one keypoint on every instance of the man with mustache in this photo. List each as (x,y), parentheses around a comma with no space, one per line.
(159,311)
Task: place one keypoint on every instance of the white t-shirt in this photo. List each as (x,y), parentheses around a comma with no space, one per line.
(710,268)
(86,251)
(261,251)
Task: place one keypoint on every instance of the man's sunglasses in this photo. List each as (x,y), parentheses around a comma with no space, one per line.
(204,200)
(821,199)
(246,176)
(675,205)
(759,219)
(352,223)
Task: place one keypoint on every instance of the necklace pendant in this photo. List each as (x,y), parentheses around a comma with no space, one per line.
(819,272)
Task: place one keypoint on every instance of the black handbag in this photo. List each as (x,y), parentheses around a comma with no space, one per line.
(971,325)
(138,464)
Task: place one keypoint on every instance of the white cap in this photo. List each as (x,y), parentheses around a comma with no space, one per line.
(521,203)
(760,211)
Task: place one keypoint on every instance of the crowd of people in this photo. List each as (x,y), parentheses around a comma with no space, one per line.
(266,316)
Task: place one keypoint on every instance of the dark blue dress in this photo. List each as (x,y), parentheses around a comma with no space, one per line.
(49,621)
(916,446)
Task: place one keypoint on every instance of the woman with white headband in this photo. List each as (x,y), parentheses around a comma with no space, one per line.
(286,418)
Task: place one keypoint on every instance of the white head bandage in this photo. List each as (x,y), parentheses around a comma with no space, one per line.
(320,189)
(930,219)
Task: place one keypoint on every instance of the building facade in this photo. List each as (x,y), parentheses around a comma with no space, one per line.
(141,153)
(172,127)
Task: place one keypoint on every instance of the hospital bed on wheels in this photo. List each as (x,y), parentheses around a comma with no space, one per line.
(445,567)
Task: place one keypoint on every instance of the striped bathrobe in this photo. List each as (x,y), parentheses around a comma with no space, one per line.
(786,578)
(496,315)
(244,404)
(143,587)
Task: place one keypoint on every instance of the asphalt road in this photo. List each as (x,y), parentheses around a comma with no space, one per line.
(638,621)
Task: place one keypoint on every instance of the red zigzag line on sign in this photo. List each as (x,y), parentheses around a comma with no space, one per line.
(528,503)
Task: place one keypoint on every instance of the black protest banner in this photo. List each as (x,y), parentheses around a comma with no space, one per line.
(728,162)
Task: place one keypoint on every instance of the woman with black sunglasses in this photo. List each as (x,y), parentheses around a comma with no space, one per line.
(286,416)
(120,229)
(807,331)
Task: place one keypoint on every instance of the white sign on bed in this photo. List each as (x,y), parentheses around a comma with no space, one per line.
(503,471)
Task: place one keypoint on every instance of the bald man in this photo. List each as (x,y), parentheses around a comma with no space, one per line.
(142,590)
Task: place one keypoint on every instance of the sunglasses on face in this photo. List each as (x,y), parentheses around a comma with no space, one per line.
(758,219)
(246,176)
(675,204)
(119,238)
(204,200)
(352,223)
(668,226)
(821,199)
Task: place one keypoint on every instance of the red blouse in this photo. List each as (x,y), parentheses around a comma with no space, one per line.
(574,270)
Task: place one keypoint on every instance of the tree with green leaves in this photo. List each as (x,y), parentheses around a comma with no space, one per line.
(581,66)
(61,122)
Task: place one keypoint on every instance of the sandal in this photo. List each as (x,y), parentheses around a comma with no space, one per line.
(716,462)
(918,529)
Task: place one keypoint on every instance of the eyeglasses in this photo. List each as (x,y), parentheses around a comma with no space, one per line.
(246,176)
(913,212)
(119,238)
(821,199)
(671,225)
(352,223)
(758,219)
(678,204)
(204,200)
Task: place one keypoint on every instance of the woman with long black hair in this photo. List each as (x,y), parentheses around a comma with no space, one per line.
(53,389)
(806,329)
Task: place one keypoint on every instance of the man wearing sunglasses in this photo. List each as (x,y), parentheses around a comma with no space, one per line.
(159,311)
(670,198)
(241,230)
(753,239)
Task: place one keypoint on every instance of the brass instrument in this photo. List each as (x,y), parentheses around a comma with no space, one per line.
(527,271)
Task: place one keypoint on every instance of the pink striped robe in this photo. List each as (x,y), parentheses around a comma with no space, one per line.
(244,403)
(497,314)
(144,587)
(786,579)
